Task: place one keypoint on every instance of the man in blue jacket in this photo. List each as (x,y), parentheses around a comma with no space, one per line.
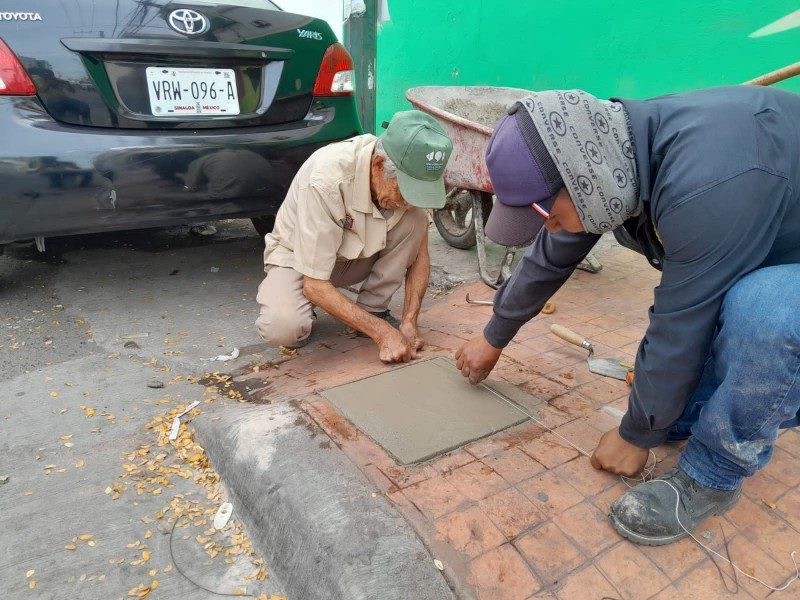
(706,185)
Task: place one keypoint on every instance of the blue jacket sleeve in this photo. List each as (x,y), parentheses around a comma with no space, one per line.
(547,264)
(711,240)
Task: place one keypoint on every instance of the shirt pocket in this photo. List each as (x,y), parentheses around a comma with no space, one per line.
(352,245)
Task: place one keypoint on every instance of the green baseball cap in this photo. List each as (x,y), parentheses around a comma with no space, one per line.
(420,148)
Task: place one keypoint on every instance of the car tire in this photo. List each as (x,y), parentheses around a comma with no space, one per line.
(455,221)
(263,225)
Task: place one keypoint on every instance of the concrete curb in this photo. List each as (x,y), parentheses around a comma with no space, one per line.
(312,512)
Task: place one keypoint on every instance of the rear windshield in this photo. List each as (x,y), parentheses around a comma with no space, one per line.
(265,4)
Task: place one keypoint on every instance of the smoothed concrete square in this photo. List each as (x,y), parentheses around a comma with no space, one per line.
(424,409)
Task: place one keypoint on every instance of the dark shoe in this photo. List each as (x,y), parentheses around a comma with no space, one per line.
(646,514)
(299,343)
(386,315)
(306,340)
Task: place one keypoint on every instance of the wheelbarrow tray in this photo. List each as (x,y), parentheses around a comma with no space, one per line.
(468,115)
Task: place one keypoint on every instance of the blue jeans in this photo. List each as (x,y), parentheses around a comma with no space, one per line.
(750,387)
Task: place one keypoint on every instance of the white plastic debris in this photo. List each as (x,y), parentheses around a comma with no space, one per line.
(224,357)
(176,422)
(176,425)
(223,515)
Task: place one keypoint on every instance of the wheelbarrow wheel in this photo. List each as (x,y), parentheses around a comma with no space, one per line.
(455,221)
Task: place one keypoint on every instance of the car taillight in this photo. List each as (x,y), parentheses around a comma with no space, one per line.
(335,76)
(14,81)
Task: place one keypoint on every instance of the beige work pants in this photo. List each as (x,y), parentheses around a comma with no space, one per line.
(286,316)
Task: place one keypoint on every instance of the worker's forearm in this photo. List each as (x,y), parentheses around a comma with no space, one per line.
(417,278)
(323,294)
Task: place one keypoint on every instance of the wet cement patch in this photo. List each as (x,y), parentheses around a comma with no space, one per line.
(419,411)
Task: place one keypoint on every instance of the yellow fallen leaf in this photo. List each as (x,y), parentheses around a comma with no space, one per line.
(108,490)
(70,547)
(146,554)
(66,437)
(54,394)
(91,543)
(29,493)
(772,505)
(86,536)
(152,572)
(79,464)
(154,585)
(167,569)
(148,535)
(30,573)
(32,584)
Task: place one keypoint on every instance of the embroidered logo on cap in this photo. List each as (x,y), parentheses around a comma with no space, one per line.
(436,160)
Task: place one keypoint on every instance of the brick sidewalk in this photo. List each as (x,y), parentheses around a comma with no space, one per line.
(522,514)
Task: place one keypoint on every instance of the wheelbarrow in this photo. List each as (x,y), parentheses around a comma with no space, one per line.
(468,115)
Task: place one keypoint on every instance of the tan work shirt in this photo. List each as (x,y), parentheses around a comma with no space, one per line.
(328,214)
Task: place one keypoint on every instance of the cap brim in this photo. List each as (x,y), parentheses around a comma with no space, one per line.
(422,194)
(513,225)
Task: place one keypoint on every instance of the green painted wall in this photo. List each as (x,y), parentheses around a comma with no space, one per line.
(612,48)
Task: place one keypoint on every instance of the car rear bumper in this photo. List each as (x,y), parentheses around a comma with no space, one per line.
(57,179)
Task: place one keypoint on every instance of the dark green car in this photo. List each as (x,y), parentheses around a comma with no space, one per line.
(132,114)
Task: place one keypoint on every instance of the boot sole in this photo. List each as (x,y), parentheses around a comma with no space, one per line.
(664,540)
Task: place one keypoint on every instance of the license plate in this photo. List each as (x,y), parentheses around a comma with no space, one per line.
(180,91)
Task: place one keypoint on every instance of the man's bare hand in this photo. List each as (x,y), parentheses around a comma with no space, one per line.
(615,455)
(412,335)
(476,359)
(394,347)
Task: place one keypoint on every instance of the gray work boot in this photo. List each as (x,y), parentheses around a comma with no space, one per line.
(386,316)
(646,514)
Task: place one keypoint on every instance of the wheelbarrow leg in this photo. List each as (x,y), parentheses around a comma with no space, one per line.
(590,264)
(480,244)
(493,281)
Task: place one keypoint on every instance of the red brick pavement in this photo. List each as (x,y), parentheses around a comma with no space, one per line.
(521,514)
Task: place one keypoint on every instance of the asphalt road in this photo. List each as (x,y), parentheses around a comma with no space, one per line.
(93,502)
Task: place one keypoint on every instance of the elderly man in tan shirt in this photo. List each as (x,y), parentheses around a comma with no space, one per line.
(355,212)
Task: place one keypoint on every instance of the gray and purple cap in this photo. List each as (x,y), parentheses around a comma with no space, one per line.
(524,177)
(561,138)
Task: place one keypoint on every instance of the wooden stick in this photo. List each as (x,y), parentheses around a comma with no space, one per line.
(776,76)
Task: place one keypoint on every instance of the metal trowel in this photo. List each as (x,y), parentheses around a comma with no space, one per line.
(608,367)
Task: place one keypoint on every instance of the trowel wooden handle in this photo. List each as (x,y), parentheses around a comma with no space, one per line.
(570,336)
